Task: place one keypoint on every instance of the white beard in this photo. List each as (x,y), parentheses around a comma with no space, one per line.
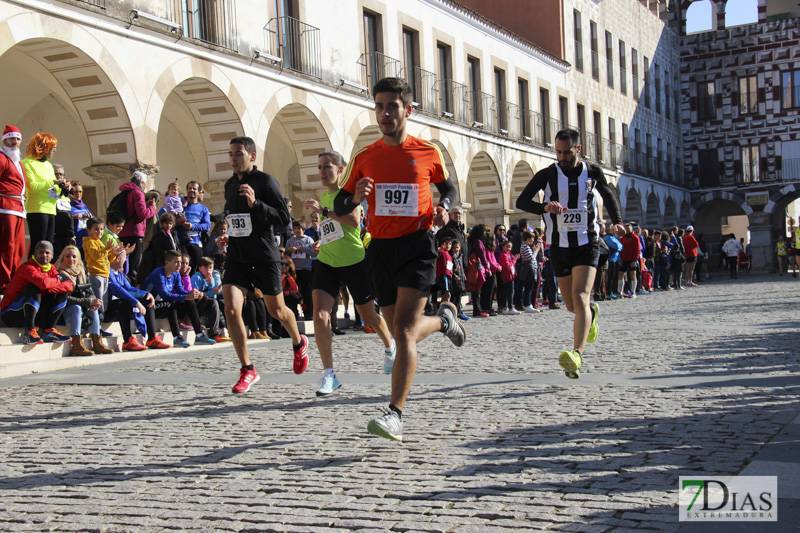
(12,153)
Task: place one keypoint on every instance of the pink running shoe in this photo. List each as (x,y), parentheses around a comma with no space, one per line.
(246,379)
(301,356)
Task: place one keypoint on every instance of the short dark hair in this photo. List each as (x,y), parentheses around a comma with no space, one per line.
(568,134)
(296,224)
(92,222)
(527,235)
(169,255)
(249,144)
(205,262)
(166,217)
(115,217)
(398,86)
(446,239)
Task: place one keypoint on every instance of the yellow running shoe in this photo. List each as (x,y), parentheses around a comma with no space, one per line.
(593,328)
(571,362)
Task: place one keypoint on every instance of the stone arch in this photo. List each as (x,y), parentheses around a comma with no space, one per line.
(451,169)
(670,212)
(367,136)
(700,16)
(685,217)
(484,191)
(652,215)
(295,139)
(520,177)
(721,195)
(84,70)
(197,122)
(633,206)
(780,197)
(61,89)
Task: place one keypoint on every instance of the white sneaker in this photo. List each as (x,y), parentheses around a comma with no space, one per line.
(531,309)
(513,312)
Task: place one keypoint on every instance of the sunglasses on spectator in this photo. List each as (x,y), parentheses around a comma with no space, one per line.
(285,264)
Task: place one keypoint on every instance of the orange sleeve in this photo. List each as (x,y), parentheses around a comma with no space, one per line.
(439,171)
(351,174)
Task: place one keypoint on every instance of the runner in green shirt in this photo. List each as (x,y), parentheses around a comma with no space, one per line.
(340,261)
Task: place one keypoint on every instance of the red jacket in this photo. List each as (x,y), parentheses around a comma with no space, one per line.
(12,183)
(690,245)
(507,261)
(631,247)
(30,272)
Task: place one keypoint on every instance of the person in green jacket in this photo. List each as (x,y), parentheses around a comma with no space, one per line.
(42,187)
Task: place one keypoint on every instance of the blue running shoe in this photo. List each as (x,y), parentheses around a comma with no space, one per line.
(52,335)
(327,384)
(180,342)
(204,339)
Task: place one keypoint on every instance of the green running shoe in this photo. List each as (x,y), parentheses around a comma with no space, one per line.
(571,362)
(593,328)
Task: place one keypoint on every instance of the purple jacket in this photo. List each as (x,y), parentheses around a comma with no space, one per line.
(138,211)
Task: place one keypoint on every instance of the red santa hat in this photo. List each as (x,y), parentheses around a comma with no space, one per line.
(11,131)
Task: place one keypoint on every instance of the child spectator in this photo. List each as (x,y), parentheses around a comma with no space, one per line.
(165,239)
(300,248)
(174,203)
(98,258)
(291,294)
(128,302)
(459,284)
(444,270)
(165,284)
(218,241)
(211,287)
(505,291)
(526,270)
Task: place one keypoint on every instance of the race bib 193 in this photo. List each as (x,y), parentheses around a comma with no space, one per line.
(397,199)
(239,225)
(330,230)
(572,220)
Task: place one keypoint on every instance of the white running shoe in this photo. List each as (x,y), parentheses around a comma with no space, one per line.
(531,309)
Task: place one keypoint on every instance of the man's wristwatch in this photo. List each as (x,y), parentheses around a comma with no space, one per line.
(325,212)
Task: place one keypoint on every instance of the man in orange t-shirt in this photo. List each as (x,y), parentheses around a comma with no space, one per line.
(394,176)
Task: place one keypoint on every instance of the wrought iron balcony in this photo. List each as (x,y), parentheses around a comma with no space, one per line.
(510,119)
(454,101)
(483,110)
(376,66)
(424,88)
(296,43)
(212,22)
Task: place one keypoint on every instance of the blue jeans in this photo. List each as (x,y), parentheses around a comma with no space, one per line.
(73,315)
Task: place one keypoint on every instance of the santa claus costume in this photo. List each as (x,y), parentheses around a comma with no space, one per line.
(12,209)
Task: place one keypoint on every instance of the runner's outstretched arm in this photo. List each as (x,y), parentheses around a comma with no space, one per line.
(526,200)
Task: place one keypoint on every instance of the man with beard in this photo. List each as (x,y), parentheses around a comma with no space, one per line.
(196,219)
(571,213)
(12,207)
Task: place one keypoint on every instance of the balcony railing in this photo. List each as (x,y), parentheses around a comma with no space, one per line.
(296,43)
(424,88)
(454,100)
(484,110)
(376,66)
(790,170)
(509,119)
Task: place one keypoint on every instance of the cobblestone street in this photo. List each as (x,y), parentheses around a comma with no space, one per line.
(695,382)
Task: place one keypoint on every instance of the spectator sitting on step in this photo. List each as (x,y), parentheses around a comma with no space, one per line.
(36,297)
(81,303)
(211,287)
(165,284)
(218,242)
(129,302)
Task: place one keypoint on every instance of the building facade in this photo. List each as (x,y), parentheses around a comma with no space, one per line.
(164,85)
(741,130)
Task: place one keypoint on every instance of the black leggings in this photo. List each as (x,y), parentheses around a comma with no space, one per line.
(169,310)
(30,309)
(255,312)
(41,227)
(124,312)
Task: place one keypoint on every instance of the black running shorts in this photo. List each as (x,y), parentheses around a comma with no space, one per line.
(563,260)
(263,276)
(408,261)
(329,279)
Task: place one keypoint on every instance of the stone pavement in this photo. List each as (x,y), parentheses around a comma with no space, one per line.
(699,382)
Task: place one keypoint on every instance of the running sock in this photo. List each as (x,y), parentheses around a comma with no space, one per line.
(249,367)
(396,410)
(330,372)
(297,346)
